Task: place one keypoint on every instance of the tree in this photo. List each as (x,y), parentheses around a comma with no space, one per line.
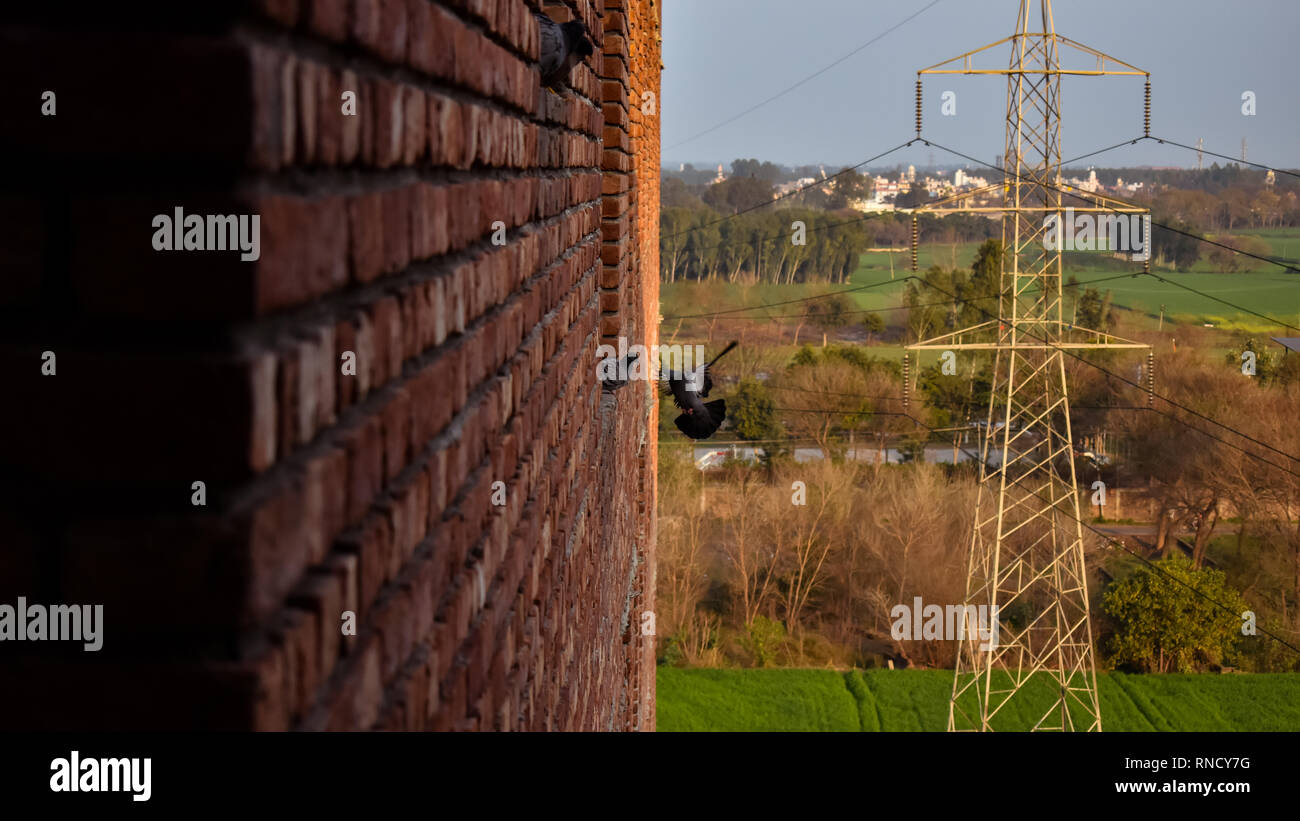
(1167,621)
(1226,260)
(738,194)
(762,170)
(1176,249)
(830,311)
(675,193)
(915,197)
(980,293)
(829,397)
(1093,309)
(934,304)
(875,324)
(753,412)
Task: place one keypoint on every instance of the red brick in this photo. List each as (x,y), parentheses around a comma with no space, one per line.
(328,126)
(420,36)
(303,249)
(392,28)
(396,228)
(389,135)
(445,29)
(357,702)
(397,433)
(366,232)
(364,446)
(320,596)
(386,320)
(350,125)
(414,123)
(345,337)
(328,18)
(308,94)
(446,131)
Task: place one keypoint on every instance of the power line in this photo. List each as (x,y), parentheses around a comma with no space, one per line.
(812,76)
(1283,265)
(1112,540)
(1196,413)
(1224,301)
(841,172)
(1133,141)
(867,217)
(1078,196)
(1182,422)
(1224,156)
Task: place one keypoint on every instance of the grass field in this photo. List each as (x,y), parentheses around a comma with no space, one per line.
(1267,291)
(695,700)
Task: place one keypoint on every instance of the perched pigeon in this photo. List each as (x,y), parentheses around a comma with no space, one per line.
(612,382)
(563,47)
(698,420)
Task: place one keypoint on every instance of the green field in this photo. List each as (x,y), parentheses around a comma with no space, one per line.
(1268,292)
(695,700)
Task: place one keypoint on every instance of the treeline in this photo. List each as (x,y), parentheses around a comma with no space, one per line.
(760,247)
(1239,200)
(703,244)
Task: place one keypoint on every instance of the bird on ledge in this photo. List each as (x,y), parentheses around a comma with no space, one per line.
(564,45)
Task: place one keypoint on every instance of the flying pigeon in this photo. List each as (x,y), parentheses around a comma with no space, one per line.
(699,419)
(563,47)
(613,383)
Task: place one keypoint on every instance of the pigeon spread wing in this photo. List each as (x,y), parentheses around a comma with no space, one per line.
(703,423)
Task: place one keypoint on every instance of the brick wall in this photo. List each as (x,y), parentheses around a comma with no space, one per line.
(328,491)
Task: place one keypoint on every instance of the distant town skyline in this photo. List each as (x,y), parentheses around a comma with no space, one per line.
(1202,57)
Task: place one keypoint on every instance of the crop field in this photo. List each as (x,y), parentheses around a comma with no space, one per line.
(696,700)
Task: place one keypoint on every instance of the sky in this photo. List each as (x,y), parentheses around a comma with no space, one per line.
(724,56)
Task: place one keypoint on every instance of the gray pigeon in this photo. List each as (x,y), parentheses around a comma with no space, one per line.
(563,47)
(699,419)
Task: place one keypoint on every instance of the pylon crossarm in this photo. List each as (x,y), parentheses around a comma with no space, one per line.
(1102,58)
(947,341)
(1101,202)
(1036,38)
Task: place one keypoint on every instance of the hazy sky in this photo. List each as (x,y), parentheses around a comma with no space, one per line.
(723,56)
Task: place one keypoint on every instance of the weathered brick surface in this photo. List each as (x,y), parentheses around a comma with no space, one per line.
(466,489)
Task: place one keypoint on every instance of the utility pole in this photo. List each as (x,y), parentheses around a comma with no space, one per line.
(1026,551)
(1162,318)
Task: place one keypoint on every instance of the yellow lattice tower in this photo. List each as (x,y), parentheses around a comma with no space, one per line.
(1026,559)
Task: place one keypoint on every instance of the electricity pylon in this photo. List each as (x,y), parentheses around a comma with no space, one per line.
(1026,562)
